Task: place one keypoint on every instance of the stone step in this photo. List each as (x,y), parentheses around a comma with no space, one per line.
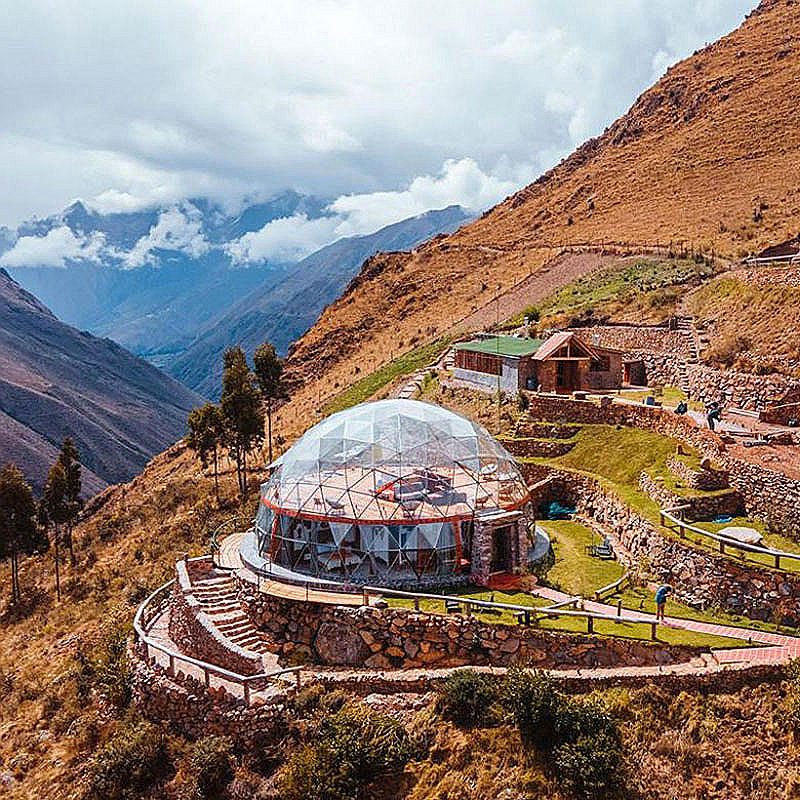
(232,628)
(214,595)
(222,580)
(222,608)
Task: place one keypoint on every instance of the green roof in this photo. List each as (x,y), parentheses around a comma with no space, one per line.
(502,345)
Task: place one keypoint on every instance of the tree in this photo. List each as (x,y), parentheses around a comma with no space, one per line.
(70,461)
(241,412)
(18,532)
(55,508)
(206,433)
(269,374)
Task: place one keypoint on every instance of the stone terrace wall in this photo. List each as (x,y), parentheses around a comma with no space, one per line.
(705,479)
(736,389)
(700,578)
(194,711)
(699,506)
(197,636)
(538,448)
(385,638)
(768,495)
(635,340)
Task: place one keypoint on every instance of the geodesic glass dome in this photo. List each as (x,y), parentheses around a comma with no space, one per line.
(383,491)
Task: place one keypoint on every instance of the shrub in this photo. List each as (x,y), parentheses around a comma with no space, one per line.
(466,697)
(133,761)
(534,700)
(580,738)
(107,669)
(589,767)
(725,351)
(209,768)
(351,749)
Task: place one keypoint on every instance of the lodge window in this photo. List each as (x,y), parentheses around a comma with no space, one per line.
(479,362)
(601,364)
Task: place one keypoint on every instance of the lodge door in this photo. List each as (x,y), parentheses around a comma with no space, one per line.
(501,549)
(566,376)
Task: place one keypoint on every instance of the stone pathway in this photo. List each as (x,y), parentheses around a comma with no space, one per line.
(780,647)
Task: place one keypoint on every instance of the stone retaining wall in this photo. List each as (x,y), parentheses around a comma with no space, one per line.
(699,506)
(736,389)
(197,636)
(545,430)
(538,448)
(636,339)
(705,479)
(195,711)
(394,638)
(700,578)
(768,495)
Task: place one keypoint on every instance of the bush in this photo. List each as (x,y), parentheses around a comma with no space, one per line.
(133,761)
(580,738)
(107,669)
(466,698)
(534,700)
(209,768)
(351,749)
(589,767)
(725,351)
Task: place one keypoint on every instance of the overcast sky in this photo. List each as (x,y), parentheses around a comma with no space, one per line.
(405,105)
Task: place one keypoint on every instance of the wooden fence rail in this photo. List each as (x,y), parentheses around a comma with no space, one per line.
(723,541)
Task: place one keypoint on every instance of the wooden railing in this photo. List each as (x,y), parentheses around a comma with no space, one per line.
(612,588)
(213,676)
(523,613)
(722,541)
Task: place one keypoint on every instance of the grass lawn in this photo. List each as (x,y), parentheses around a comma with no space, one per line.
(640,598)
(669,396)
(619,455)
(569,624)
(409,362)
(575,571)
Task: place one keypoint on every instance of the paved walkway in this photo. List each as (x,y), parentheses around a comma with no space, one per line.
(779,647)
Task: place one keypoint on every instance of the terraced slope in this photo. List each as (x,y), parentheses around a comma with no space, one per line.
(709,155)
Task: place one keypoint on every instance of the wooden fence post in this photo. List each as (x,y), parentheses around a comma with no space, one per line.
(590,624)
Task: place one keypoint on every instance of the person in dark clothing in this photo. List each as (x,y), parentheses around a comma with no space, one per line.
(682,407)
(713,414)
(662,593)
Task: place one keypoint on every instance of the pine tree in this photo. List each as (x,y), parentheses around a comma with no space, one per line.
(269,374)
(69,459)
(206,433)
(56,512)
(18,532)
(241,411)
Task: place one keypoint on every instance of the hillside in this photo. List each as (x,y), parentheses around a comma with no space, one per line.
(708,155)
(286,305)
(56,381)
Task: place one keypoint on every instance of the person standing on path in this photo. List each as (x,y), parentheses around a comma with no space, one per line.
(662,593)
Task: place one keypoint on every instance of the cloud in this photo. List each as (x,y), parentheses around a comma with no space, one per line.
(175,229)
(55,249)
(287,239)
(150,103)
(460,182)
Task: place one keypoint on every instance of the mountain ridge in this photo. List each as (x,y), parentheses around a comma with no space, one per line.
(284,307)
(56,381)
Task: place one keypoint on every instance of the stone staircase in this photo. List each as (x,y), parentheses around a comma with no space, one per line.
(217,597)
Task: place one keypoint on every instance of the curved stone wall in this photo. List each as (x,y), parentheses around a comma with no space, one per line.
(700,578)
(395,638)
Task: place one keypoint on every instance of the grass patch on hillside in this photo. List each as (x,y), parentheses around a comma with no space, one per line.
(367,386)
(669,396)
(575,571)
(646,288)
